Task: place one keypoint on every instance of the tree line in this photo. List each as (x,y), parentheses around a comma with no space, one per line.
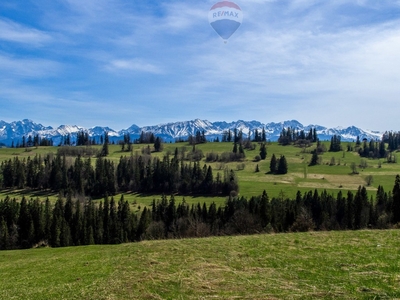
(68,222)
(289,136)
(392,139)
(136,173)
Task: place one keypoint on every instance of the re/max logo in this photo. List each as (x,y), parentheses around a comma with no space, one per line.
(226,14)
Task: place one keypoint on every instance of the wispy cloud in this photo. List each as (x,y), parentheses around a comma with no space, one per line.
(14,32)
(52,108)
(182,16)
(133,65)
(288,56)
(16,67)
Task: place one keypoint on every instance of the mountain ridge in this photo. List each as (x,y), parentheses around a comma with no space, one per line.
(14,131)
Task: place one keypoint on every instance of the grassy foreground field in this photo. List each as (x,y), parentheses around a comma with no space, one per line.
(317,265)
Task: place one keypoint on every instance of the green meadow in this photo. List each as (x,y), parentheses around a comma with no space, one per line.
(312,265)
(300,176)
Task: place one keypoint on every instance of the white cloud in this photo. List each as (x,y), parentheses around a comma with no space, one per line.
(16,67)
(182,16)
(134,65)
(287,56)
(13,32)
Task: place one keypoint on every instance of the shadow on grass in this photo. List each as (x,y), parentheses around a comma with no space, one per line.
(28,193)
(157,195)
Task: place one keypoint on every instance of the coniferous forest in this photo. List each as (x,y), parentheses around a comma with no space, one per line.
(30,223)
(76,219)
(136,173)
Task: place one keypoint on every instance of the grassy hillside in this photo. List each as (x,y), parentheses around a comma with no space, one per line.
(300,176)
(318,265)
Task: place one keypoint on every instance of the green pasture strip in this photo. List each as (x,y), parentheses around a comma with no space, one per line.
(300,177)
(313,265)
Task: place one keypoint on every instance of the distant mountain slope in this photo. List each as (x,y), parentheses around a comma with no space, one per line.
(14,131)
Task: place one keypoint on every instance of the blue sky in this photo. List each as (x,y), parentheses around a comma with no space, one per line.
(124,62)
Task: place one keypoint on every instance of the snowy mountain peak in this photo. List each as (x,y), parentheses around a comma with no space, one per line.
(98,131)
(14,131)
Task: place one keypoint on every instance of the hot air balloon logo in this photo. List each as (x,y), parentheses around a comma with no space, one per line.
(225,17)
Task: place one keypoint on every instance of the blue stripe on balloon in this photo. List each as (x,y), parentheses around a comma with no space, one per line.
(225,28)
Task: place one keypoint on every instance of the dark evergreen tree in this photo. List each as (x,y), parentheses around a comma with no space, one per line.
(361,208)
(396,200)
(235,149)
(265,209)
(57,224)
(263,135)
(158,145)
(229,138)
(256,138)
(38,220)
(315,136)
(282,165)
(47,220)
(358,143)
(77,229)
(104,149)
(25,224)
(144,222)
(314,159)
(335,145)
(4,235)
(273,164)
(263,151)
(382,149)
(106,221)
(241,151)
(350,210)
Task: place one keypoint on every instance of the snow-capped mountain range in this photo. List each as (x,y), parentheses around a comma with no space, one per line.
(14,131)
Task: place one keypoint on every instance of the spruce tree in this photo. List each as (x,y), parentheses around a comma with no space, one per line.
(314,159)
(47,220)
(361,208)
(235,149)
(382,149)
(241,150)
(104,149)
(272,164)
(335,145)
(3,235)
(144,222)
(157,145)
(25,224)
(57,223)
(265,212)
(282,165)
(396,200)
(77,225)
(106,221)
(263,151)
(315,136)
(263,135)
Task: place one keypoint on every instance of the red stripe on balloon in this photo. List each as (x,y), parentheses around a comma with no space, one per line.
(225,4)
